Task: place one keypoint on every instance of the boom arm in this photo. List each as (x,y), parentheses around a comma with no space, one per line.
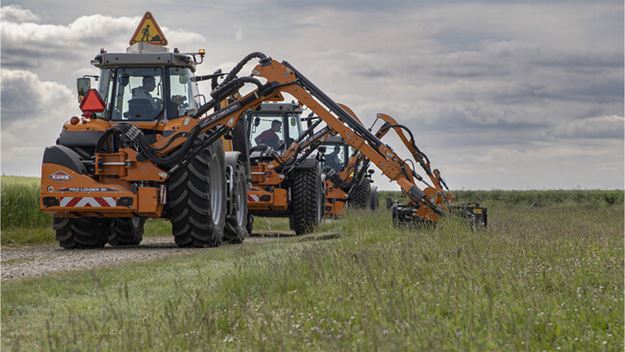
(171,151)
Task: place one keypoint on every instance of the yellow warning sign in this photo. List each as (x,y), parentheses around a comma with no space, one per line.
(148,31)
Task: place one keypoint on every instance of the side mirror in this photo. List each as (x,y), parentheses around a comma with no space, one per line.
(256,121)
(83,85)
(322,149)
(370,171)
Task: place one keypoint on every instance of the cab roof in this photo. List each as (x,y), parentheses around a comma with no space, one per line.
(141,55)
(280,107)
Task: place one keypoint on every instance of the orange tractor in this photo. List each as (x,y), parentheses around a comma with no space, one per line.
(286,176)
(148,146)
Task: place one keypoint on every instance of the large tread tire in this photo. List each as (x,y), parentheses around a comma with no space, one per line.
(360,196)
(85,232)
(236,221)
(126,231)
(306,200)
(241,143)
(250,224)
(374,204)
(197,199)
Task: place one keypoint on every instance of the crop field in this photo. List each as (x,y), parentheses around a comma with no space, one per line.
(547,274)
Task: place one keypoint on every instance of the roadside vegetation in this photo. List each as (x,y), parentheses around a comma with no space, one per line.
(23,224)
(541,277)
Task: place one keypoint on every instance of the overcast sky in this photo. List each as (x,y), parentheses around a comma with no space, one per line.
(499,94)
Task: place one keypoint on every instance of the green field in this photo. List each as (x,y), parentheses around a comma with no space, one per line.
(545,275)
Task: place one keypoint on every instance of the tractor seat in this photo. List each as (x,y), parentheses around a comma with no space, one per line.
(139,109)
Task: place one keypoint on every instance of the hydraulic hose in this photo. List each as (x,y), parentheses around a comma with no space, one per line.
(224,90)
(236,69)
(130,135)
(214,83)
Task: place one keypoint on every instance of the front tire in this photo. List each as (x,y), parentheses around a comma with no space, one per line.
(306,200)
(236,221)
(85,232)
(360,196)
(197,199)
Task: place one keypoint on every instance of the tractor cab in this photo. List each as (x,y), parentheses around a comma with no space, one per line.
(336,154)
(274,125)
(146,83)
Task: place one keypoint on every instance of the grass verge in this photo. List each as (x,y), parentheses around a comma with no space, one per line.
(538,279)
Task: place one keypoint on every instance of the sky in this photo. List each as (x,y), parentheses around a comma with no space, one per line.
(499,94)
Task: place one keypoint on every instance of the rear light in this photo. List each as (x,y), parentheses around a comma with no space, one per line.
(74,120)
(50,202)
(265,198)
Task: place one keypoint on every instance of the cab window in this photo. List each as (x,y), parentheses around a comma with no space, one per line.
(294,127)
(267,130)
(335,157)
(183,93)
(137,94)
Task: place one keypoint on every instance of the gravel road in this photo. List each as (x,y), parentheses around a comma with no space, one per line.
(41,260)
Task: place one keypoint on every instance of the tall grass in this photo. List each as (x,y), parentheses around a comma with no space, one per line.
(20,203)
(538,279)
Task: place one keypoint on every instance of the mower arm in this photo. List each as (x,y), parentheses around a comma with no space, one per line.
(284,78)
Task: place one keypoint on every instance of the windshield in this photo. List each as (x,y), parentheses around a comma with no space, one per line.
(183,93)
(269,129)
(136,94)
(335,157)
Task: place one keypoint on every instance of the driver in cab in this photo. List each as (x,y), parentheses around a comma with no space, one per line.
(144,92)
(270,136)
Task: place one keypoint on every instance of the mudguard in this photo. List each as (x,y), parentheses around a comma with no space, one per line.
(62,155)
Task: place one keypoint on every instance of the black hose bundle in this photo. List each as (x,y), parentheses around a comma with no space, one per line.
(125,134)
(214,83)
(230,84)
(218,91)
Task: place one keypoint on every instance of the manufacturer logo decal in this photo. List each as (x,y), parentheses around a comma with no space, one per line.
(60,176)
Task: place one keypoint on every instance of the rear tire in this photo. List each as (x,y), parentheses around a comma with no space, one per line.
(85,232)
(126,231)
(197,199)
(360,196)
(306,200)
(236,221)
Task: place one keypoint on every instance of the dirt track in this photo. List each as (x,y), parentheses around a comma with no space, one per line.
(41,260)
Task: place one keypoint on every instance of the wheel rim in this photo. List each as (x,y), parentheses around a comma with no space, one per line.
(217,189)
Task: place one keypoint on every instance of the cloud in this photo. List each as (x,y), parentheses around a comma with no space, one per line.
(16,14)
(602,127)
(25,97)
(33,112)
(523,86)
(29,45)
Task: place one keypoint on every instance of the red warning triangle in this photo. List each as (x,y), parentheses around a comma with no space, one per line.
(92,102)
(148,32)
